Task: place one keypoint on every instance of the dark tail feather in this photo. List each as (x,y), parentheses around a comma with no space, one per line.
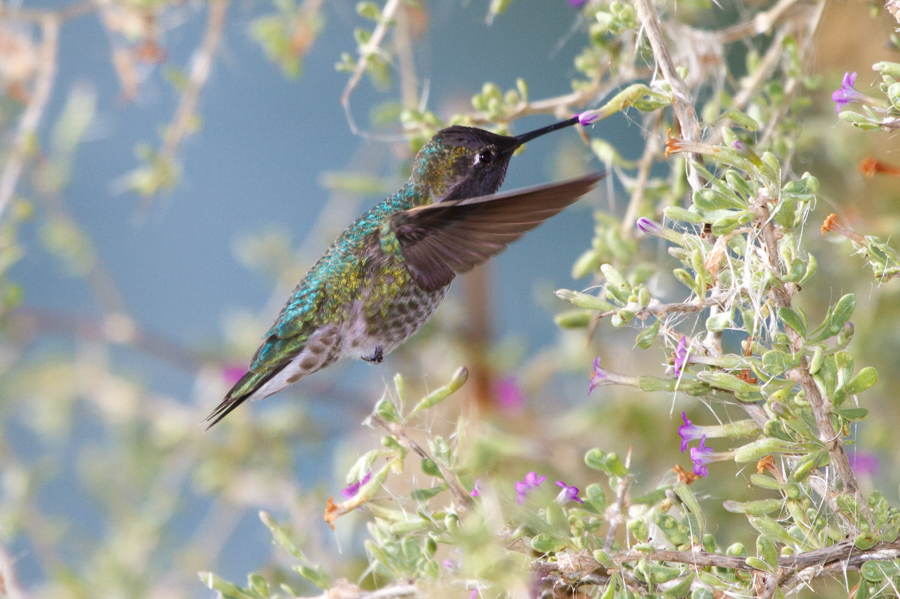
(241,392)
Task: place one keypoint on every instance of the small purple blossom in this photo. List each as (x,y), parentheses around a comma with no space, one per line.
(577,3)
(567,494)
(353,489)
(864,463)
(648,226)
(701,456)
(688,432)
(846,94)
(509,396)
(532,481)
(681,354)
(476,488)
(591,116)
(473,594)
(599,376)
(655,229)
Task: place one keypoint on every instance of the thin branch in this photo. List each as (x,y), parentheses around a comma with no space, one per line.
(820,406)
(9,583)
(372,46)
(618,508)
(462,497)
(183,122)
(345,590)
(38,17)
(682,101)
(119,331)
(34,112)
(762,22)
(651,152)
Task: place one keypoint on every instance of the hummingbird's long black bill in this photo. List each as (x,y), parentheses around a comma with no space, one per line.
(525,137)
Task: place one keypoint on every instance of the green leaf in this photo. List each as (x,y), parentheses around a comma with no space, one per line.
(753,508)
(793,320)
(648,335)
(222,586)
(605,462)
(866,377)
(426,494)
(853,414)
(369,10)
(777,362)
(386,409)
(440,394)
(544,543)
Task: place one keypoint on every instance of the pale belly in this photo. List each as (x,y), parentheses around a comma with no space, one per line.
(381,324)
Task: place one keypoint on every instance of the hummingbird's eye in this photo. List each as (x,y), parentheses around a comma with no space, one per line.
(484,157)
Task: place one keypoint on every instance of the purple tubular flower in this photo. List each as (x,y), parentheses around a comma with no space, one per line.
(701,456)
(846,94)
(681,355)
(648,226)
(599,376)
(688,432)
(567,494)
(532,481)
(353,489)
(591,116)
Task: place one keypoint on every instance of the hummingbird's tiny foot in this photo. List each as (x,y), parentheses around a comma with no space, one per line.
(377,357)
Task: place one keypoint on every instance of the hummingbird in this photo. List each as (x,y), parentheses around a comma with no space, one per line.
(386,274)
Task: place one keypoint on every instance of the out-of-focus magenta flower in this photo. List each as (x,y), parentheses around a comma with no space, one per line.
(476,488)
(864,463)
(532,481)
(567,494)
(353,489)
(509,396)
(232,374)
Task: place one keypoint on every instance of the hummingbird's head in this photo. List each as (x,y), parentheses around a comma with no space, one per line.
(467,162)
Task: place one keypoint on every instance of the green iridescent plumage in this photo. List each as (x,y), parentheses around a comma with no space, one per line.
(382,279)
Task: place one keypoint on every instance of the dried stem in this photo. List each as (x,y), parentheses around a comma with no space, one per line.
(651,152)
(183,123)
(682,101)
(34,112)
(617,510)
(462,497)
(762,22)
(387,17)
(9,583)
(821,408)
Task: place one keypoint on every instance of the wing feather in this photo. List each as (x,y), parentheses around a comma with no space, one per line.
(442,240)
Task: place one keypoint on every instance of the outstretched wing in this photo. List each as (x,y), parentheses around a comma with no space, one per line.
(442,240)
